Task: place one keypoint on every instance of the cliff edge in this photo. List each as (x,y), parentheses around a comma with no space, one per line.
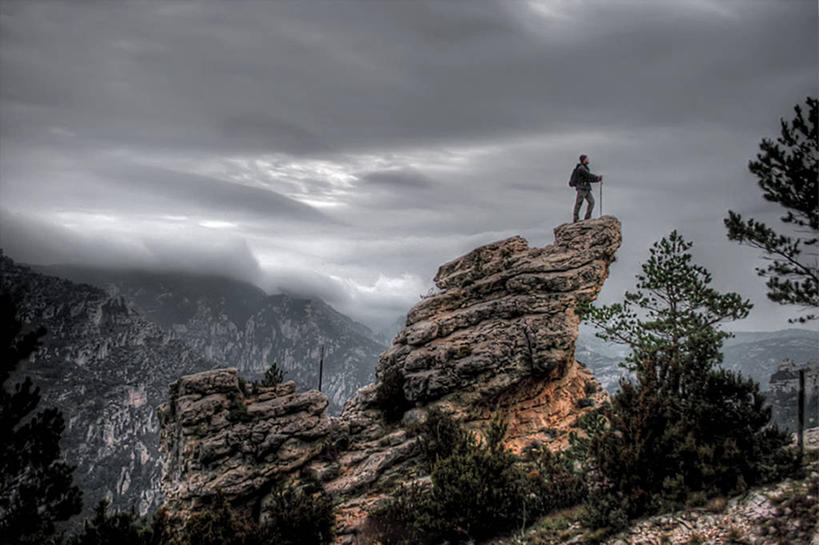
(498,337)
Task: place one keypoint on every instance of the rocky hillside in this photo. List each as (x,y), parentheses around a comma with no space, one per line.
(499,337)
(783,513)
(106,368)
(239,325)
(783,394)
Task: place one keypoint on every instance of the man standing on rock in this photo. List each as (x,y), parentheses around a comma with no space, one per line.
(581,180)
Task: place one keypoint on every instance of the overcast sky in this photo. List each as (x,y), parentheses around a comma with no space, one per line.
(346,149)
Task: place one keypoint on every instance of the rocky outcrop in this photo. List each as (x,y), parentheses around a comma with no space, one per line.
(503,327)
(784,394)
(223,434)
(498,337)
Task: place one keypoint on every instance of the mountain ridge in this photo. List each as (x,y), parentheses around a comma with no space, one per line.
(239,325)
(106,365)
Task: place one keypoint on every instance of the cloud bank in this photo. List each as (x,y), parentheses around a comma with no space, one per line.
(346,149)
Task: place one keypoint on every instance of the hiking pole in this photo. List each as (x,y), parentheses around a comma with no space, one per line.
(601,198)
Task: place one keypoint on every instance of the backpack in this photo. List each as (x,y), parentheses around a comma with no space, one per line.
(572,181)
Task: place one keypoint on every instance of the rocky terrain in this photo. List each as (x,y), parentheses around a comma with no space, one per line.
(499,337)
(106,368)
(239,325)
(783,513)
(771,515)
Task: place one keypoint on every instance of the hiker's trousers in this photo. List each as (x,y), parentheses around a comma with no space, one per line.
(578,203)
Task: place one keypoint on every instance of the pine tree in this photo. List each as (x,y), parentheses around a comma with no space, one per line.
(273,376)
(683,429)
(36,488)
(787,172)
(117,528)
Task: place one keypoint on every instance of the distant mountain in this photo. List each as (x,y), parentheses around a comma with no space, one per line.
(388,332)
(755,354)
(107,368)
(111,353)
(239,325)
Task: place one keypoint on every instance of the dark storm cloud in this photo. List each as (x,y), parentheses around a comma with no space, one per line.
(350,75)
(259,128)
(349,144)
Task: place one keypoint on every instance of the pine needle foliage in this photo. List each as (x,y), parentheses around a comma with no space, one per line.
(36,486)
(683,428)
(298,516)
(113,528)
(216,524)
(273,376)
(477,488)
(390,396)
(787,171)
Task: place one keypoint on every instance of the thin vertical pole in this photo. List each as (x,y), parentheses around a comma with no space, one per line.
(601,198)
(800,426)
(321,366)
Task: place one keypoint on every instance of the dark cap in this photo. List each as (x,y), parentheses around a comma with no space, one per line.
(583,158)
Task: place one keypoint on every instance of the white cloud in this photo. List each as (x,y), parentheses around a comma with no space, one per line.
(218,224)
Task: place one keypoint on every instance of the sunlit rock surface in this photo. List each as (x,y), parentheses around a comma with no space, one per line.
(498,337)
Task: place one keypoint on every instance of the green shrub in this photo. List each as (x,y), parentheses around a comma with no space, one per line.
(237,410)
(291,516)
(298,516)
(585,402)
(397,521)
(662,452)
(476,490)
(216,524)
(295,515)
(273,376)
(440,436)
(389,396)
(117,528)
(553,479)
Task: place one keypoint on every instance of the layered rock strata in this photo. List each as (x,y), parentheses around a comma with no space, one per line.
(498,337)
(221,434)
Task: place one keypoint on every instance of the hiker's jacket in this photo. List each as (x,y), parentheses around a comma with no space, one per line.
(583,178)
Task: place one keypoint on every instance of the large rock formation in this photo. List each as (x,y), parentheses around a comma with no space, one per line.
(499,337)
(216,440)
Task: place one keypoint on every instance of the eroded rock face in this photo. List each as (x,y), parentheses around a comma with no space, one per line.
(505,314)
(221,436)
(499,337)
